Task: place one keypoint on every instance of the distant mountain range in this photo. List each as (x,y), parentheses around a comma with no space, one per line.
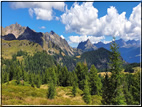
(15,38)
(129,50)
(48,41)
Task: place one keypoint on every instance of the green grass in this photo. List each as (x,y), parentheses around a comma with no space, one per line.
(12,47)
(13,94)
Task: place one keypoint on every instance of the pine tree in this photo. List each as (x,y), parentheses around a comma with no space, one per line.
(117,95)
(135,88)
(106,96)
(95,81)
(127,94)
(74,89)
(81,71)
(5,77)
(86,92)
(51,90)
(38,81)
(18,78)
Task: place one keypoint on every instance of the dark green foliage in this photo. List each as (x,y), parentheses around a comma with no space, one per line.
(135,88)
(63,76)
(117,95)
(5,77)
(95,81)
(21,53)
(95,57)
(86,92)
(14,57)
(106,96)
(129,67)
(51,90)
(127,94)
(38,81)
(74,89)
(39,62)
(81,71)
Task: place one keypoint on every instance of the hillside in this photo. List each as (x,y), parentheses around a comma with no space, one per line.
(27,95)
(12,47)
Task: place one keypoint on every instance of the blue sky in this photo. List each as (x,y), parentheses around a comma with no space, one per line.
(77,22)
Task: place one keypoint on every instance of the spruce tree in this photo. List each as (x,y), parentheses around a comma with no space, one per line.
(74,89)
(117,95)
(81,71)
(86,92)
(106,96)
(127,94)
(95,81)
(18,78)
(135,88)
(38,81)
(51,90)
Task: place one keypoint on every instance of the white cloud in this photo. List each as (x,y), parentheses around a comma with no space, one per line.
(78,39)
(79,18)
(42,10)
(83,20)
(62,37)
(57,18)
(106,42)
(31,12)
(42,27)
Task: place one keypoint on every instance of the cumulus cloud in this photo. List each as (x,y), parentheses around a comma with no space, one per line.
(78,39)
(42,27)
(31,12)
(83,20)
(42,10)
(62,37)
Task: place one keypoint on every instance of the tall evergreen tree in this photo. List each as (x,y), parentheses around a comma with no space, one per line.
(106,96)
(74,89)
(81,71)
(38,81)
(135,88)
(127,94)
(86,92)
(51,90)
(95,81)
(117,95)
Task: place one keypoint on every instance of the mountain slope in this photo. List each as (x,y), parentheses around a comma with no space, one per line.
(12,47)
(86,46)
(51,42)
(31,35)
(99,58)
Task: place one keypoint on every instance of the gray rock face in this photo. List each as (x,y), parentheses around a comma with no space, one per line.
(86,46)
(9,37)
(62,43)
(31,35)
(15,29)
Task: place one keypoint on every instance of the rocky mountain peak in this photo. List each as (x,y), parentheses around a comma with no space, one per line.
(52,32)
(15,29)
(86,46)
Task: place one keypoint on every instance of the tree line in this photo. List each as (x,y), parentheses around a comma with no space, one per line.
(41,68)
